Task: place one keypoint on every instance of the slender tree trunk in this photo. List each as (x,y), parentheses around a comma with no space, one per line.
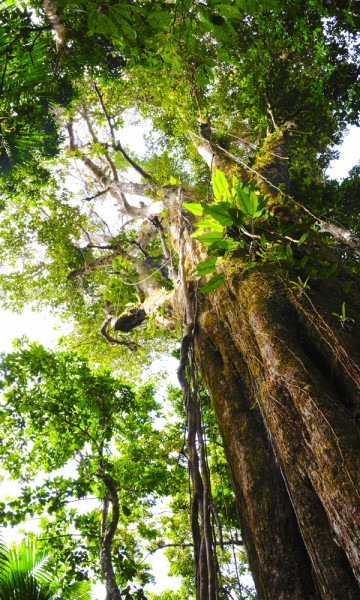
(108,529)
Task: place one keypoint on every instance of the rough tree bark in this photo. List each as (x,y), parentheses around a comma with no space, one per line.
(282,375)
(290,436)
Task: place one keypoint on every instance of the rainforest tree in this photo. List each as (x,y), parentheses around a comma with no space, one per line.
(227,229)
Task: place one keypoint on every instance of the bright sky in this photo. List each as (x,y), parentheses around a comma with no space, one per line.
(349,155)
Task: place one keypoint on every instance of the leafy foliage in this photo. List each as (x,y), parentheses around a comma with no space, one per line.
(255,74)
(26,575)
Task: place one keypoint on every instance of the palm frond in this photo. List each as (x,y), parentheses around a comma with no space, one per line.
(29,559)
(80,590)
(22,573)
(4,558)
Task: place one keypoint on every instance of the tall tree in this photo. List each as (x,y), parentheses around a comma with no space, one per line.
(260,94)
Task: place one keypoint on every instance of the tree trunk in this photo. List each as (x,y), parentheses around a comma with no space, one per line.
(108,529)
(282,376)
(286,405)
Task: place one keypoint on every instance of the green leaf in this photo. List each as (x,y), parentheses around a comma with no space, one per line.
(251,204)
(206,267)
(220,212)
(303,238)
(208,238)
(228,11)
(214,283)
(194,207)
(224,244)
(343,310)
(250,265)
(304,260)
(237,216)
(220,185)
(248,202)
(262,203)
(126,510)
(208,223)
(289,253)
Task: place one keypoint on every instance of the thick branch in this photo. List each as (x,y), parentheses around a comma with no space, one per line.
(215,156)
(340,234)
(100,262)
(132,346)
(52,14)
(118,147)
(130,319)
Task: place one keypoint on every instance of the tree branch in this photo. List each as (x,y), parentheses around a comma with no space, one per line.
(117,189)
(117,145)
(191,545)
(95,139)
(132,346)
(167,254)
(94,196)
(118,148)
(52,14)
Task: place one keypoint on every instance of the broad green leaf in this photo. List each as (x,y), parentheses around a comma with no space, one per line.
(235,183)
(262,202)
(224,244)
(248,202)
(206,267)
(237,216)
(220,185)
(228,11)
(214,283)
(208,223)
(126,29)
(220,212)
(194,207)
(208,238)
